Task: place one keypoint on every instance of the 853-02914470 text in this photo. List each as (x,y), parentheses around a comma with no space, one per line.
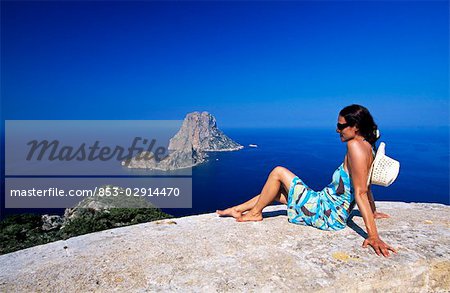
(99,191)
(64,192)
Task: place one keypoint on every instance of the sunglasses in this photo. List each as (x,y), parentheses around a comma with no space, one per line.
(342,126)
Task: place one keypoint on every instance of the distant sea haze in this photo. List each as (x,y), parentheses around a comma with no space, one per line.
(229,178)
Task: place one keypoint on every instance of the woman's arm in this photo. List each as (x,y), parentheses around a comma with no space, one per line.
(358,165)
(376,214)
(371,201)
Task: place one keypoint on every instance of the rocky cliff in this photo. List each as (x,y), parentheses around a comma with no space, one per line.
(177,159)
(198,134)
(206,253)
(200,131)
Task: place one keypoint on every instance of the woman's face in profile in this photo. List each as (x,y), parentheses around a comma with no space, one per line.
(345,131)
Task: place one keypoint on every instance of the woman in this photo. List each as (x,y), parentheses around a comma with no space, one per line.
(327,209)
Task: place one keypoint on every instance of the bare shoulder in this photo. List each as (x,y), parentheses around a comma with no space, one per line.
(359,151)
(356,147)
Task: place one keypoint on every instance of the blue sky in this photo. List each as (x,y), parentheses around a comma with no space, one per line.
(251,64)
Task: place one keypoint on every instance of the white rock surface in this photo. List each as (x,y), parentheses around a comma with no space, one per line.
(207,253)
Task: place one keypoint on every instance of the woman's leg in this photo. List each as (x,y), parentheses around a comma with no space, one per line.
(237,211)
(279,177)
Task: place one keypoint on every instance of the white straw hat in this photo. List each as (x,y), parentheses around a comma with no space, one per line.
(384,170)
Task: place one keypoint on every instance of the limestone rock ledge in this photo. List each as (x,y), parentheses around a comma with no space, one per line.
(207,253)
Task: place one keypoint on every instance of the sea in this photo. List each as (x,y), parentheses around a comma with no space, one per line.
(229,178)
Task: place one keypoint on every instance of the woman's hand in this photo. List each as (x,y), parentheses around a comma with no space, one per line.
(379,215)
(379,246)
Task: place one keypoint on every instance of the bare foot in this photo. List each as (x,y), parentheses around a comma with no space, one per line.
(229,212)
(378,215)
(250,217)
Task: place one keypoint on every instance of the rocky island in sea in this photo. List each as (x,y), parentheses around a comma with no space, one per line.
(198,135)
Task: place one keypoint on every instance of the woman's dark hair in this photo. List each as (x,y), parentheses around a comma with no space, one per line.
(359,116)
